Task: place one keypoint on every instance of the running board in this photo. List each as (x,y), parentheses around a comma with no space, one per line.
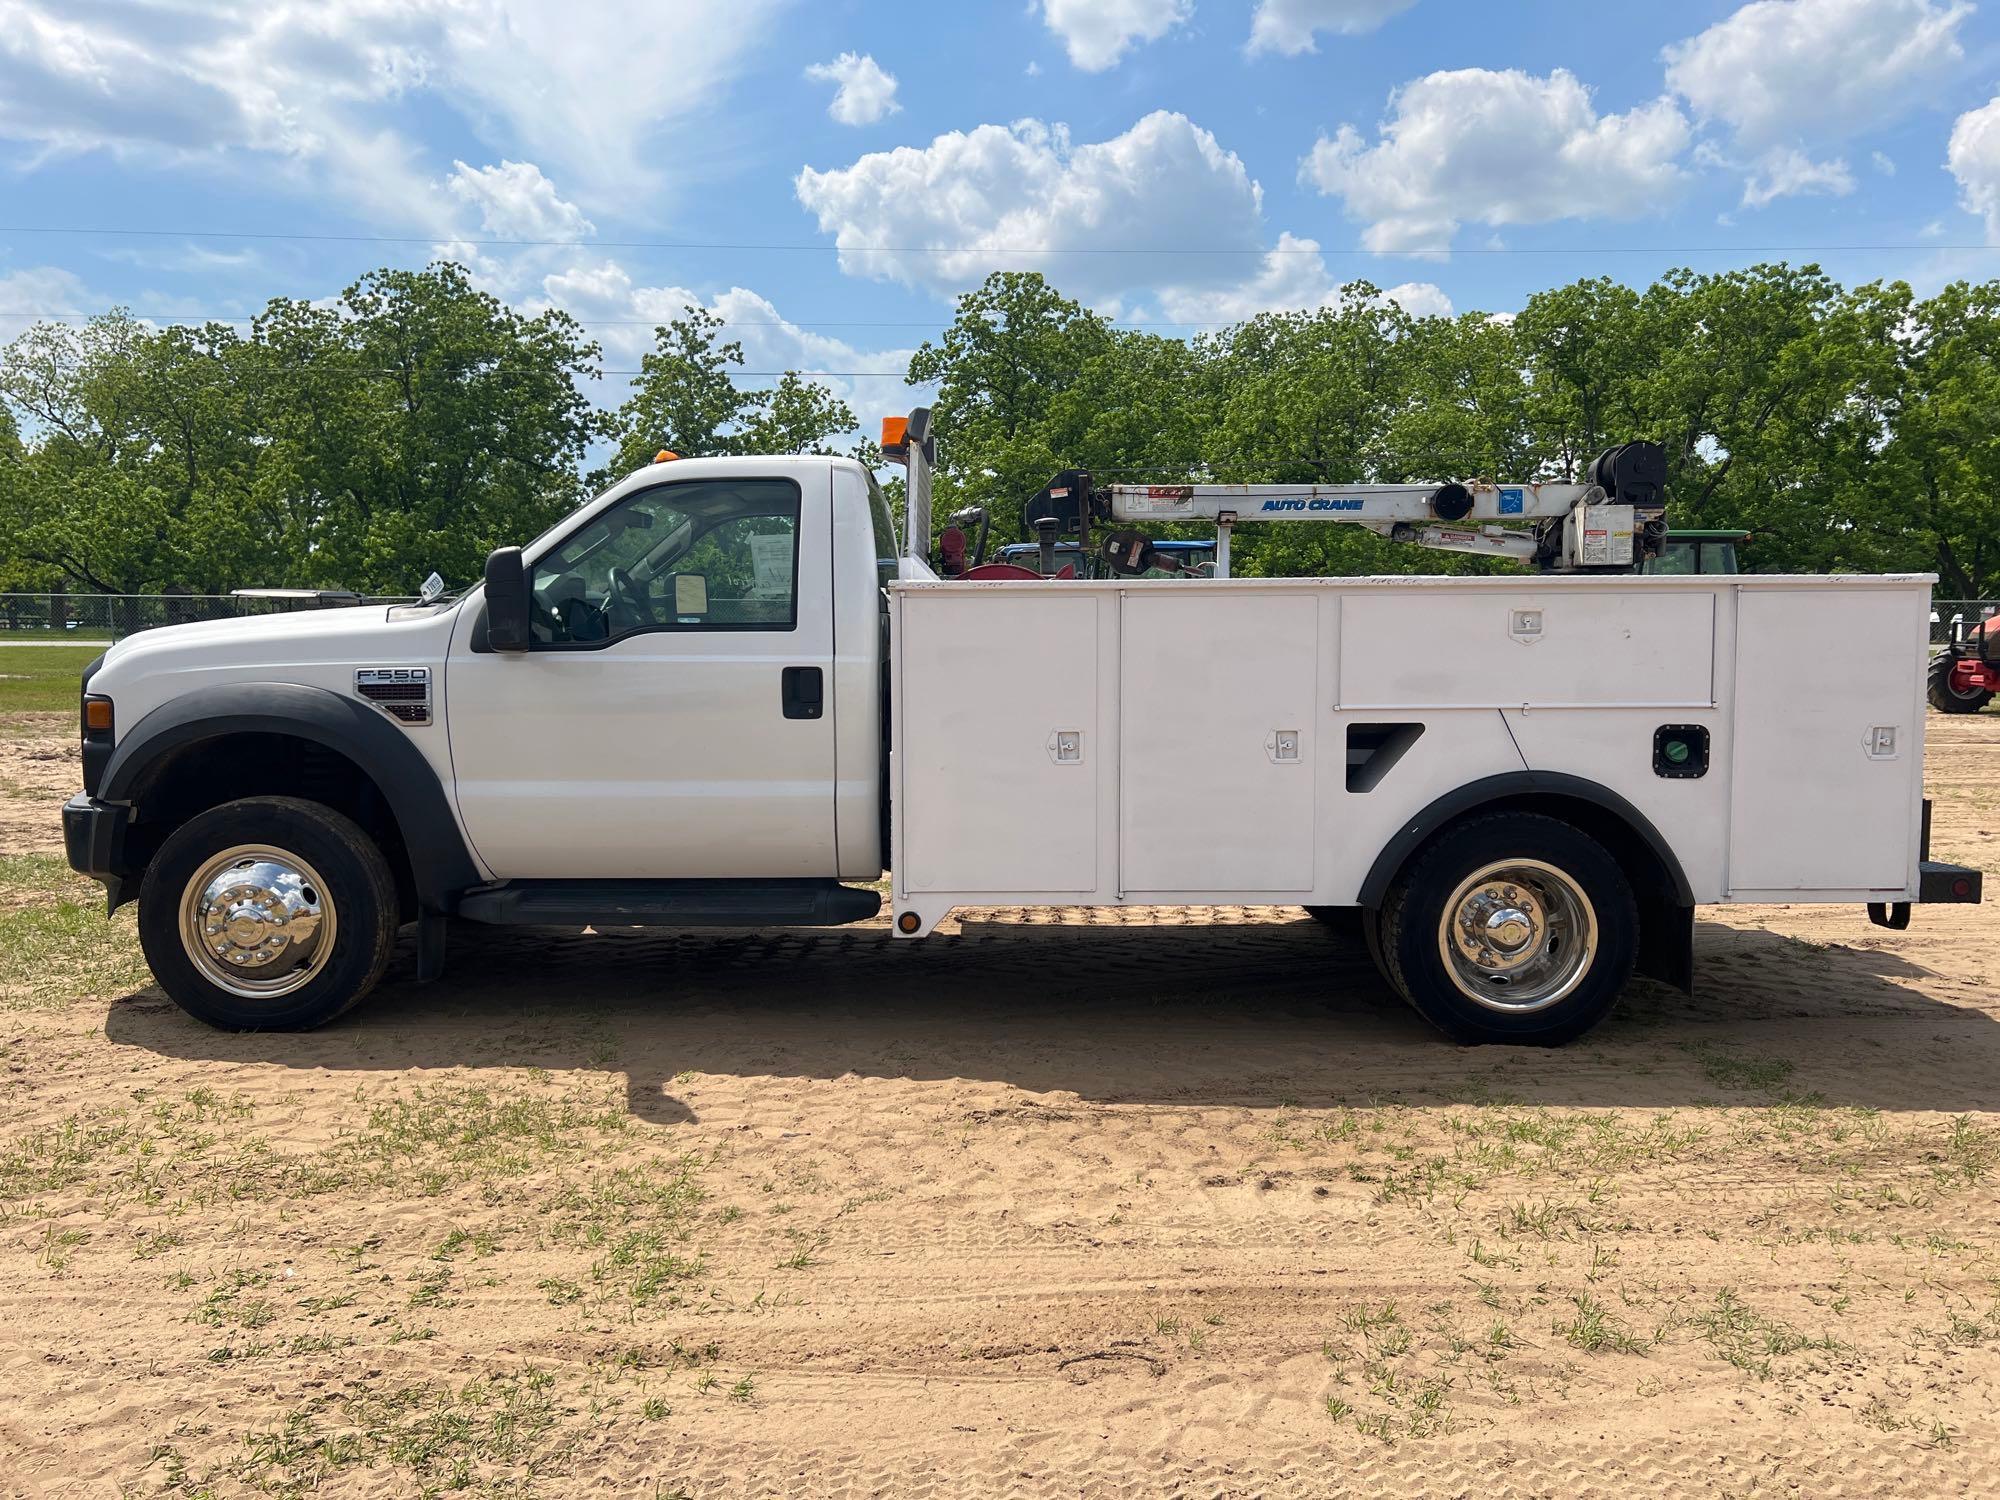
(669,903)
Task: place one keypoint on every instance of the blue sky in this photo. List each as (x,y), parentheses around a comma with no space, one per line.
(1180,163)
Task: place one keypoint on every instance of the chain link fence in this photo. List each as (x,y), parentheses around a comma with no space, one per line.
(101,617)
(1968,612)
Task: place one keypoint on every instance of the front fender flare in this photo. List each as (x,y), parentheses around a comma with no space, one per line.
(440,863)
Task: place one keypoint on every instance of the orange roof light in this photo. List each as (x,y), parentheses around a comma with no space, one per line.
(895,436)
(665,456)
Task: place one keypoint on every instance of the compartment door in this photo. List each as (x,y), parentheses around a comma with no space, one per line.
(1816,803)
(988,682)
(1209,800)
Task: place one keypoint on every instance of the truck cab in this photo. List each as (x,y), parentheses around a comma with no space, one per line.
(692,730)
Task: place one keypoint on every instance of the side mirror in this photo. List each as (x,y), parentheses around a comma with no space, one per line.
(506,600)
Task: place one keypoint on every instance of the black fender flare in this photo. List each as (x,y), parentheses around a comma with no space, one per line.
(1506,787)
(440,863)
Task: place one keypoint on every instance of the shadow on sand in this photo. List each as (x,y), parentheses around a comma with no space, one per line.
(1260,1014)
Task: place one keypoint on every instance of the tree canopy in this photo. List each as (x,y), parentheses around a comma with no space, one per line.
(416,421)
(1847,429)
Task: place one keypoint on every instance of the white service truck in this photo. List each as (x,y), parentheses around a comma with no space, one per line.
(722,694)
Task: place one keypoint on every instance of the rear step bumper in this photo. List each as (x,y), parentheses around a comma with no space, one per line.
(1938,884)
(670,903)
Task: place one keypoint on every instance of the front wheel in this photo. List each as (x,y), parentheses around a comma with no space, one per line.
(268,914)
(1512,927)
(1947,698)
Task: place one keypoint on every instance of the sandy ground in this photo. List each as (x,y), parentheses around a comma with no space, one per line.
(40,769)
(1178,1204)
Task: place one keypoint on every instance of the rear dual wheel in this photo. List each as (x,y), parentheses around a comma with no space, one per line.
(1512,928)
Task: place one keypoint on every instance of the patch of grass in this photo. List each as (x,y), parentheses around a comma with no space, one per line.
(478,1132)
(43,679)
(1730,1070)
(504,1433)
(55,944)
(641,1264)
(1749,1340)
(1595,1331)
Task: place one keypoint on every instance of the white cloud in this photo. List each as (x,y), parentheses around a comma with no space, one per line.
(1783,172)
(1973,157)
(302,84)
(1883,163)
(866,93)
(515,201)
(621,314)
(1292,278)
(1096,33)
(1022,197)
(42,292)
(1420,299)
(1288,26)
(1489,147)
(1781,72)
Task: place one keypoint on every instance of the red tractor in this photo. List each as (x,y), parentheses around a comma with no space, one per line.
(1966,674)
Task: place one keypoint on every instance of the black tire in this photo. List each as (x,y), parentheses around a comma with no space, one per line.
(1947,699)
(1371,937)
(1412,931)
(359,890)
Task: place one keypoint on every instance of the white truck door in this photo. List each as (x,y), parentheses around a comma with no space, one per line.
(673,717)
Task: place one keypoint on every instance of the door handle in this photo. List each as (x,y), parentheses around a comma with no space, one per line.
(802,692)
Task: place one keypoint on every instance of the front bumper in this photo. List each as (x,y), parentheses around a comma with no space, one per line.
(94,842)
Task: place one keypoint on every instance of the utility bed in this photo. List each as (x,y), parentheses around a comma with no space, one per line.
(1271,741)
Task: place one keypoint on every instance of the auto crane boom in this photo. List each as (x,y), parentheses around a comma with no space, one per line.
(1612,522)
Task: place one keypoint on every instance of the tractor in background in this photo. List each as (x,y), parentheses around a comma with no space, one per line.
(1966,674)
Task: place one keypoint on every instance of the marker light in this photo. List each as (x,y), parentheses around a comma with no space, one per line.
(665,456)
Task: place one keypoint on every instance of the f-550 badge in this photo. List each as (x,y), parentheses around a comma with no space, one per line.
(404,692)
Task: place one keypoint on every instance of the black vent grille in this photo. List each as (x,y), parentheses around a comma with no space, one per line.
(396,692)
(403,692)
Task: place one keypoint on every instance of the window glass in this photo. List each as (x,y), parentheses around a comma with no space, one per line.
(1676,557)
(886,550)
(705,555)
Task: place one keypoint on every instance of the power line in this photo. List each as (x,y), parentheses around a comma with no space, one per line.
(820,246)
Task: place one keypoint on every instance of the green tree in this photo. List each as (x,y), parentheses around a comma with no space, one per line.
(1929,497)
(799,416)
(414,426)
(1015,349)
(685,399)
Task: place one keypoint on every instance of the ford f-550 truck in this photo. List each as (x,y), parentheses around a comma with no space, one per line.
(722,694)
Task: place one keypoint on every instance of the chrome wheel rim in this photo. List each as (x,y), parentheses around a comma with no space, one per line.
(257,922)
(1517,936)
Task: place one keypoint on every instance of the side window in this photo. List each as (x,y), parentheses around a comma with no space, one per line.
(707,554)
